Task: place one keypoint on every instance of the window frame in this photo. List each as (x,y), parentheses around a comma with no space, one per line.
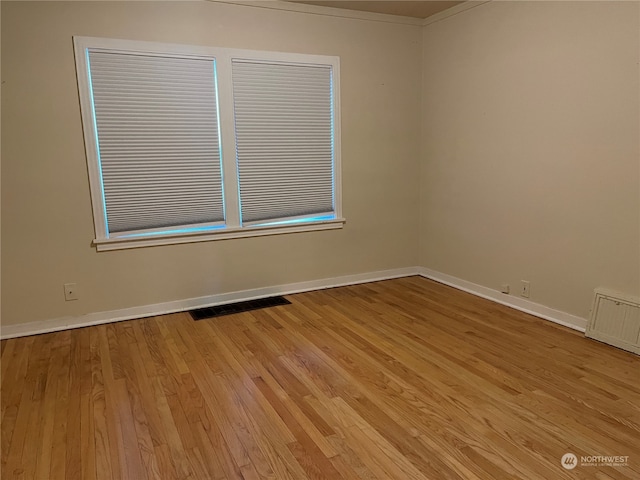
(232,227)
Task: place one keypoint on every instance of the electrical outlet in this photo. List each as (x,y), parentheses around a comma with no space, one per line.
(70,291)
(526,286)
(504,288)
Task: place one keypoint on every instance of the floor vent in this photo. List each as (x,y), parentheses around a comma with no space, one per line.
(231,308)
(615,319)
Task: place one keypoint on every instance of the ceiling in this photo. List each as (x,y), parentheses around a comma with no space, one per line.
(417,9)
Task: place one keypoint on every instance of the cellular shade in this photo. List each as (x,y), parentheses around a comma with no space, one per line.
(284,139)
(157,126)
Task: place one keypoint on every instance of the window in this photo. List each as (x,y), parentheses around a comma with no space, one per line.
(190,143)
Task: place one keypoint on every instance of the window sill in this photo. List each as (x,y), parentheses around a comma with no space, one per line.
(224,234)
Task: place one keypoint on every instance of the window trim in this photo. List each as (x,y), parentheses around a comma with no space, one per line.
(232,227)
(222,234)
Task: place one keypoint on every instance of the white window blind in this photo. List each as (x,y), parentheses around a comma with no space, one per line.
(189,143)
(156,119)
(284,140)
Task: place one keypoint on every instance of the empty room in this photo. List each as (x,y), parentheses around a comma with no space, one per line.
(320,240)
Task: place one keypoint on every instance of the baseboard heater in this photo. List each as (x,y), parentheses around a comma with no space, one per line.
(615,319)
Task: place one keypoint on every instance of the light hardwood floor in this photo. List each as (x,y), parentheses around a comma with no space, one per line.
(401,379)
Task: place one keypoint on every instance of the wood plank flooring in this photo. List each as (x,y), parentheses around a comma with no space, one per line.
(403,379)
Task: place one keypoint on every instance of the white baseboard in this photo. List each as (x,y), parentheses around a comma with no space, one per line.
(65,323)
(527,306)
(98,318)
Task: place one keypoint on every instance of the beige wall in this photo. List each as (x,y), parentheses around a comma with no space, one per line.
(47,225)
(530,160)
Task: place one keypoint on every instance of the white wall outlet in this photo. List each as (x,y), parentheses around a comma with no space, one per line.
(70,291)
(504,288)
(526,286)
